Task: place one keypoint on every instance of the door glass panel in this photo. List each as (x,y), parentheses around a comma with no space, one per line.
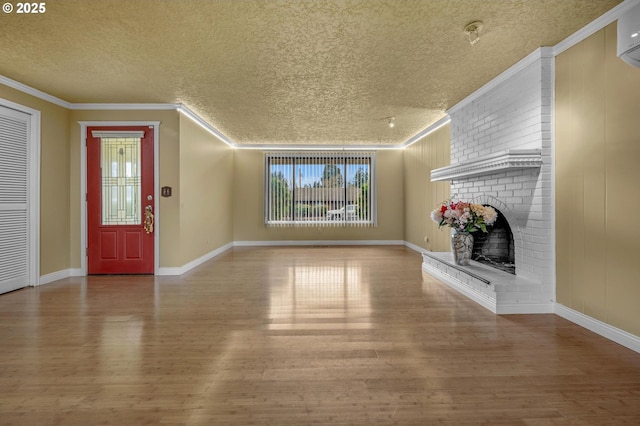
(120,181)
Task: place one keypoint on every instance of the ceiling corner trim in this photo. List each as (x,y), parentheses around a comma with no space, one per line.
(181,108)
(426,132)
(116,107)
(34,92)
(541,52)
(125,107)
(594,26)
(314,147)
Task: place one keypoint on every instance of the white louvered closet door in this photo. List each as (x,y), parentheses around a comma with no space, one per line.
(14,199)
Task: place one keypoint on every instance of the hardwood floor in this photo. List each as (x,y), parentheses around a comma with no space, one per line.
(296,336)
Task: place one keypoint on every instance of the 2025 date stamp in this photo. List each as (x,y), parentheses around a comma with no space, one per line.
(25,8)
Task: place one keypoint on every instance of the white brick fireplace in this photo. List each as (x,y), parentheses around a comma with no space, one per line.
(501,155)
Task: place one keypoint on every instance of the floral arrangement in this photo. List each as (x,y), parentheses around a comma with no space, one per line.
(464,217)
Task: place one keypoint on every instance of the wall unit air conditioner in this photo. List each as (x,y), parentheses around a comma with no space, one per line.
(629,36)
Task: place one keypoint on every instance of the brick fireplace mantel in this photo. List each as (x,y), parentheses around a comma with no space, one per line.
(511,159)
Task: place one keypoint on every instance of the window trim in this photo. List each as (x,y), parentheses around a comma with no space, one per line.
(372,221)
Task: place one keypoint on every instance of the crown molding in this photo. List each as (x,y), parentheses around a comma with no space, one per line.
(539,53)
(511,159)
(300,147)
(124,107)
(426,132)
(594,26)
(34,92)
(205,125)
(117,107)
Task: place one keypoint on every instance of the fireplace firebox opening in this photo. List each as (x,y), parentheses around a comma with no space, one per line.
(495,248)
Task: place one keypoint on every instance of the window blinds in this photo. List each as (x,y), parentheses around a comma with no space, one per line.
(328,188)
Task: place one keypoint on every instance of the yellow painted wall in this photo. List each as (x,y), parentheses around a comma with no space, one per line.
(248,204)
(206,192)
(54,180)
(421,195)
(597,181)
(170,255)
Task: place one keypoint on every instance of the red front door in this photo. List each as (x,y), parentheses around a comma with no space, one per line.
(120,200)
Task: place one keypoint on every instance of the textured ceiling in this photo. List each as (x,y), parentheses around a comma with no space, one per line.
(284,72)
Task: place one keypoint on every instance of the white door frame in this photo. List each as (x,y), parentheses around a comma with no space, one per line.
(33,154)
(83,186)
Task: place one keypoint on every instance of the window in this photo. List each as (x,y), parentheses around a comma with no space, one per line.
(121,182)
(320,188)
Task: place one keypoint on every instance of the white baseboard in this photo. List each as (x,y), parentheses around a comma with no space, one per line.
(171,271)
(478,297)
(199,261)
(318,243)
(525,308)
(54,276)
(60,275)
(414,247)
(179,270)
(603,329)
